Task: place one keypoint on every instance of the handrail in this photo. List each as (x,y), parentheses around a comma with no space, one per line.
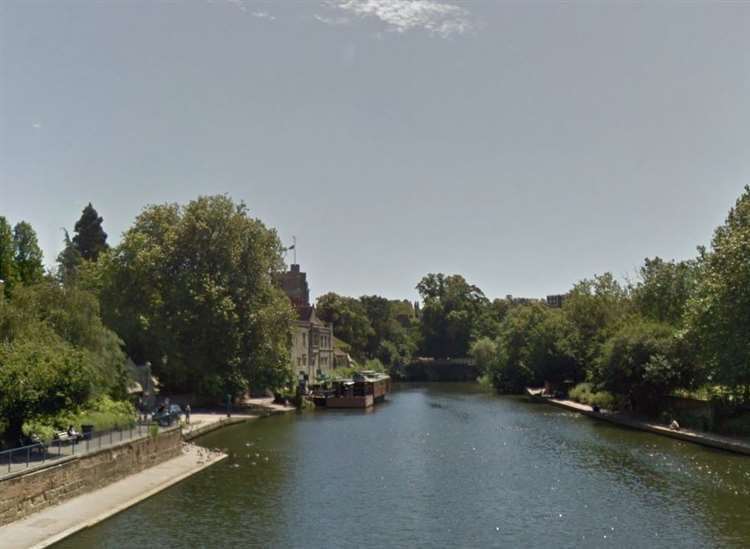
(21,458)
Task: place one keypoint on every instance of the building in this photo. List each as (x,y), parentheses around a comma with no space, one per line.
(556,301)
(312,351)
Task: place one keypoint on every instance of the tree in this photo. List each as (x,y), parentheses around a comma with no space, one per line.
(536,345)
(7,264)
(646,361)
(68,262)
(484,352)
(74,316)
(55,354)
(664,289)
(718,316)
(595,308)
(90,239)
(40,375)
(449,315)
(349,319)
(28,255)
(191,289)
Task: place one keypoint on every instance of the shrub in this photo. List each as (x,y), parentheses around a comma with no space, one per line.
(586,393)
(103,413)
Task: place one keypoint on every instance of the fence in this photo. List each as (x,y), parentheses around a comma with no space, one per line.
(18,459)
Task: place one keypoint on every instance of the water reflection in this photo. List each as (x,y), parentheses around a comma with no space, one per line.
(445,465)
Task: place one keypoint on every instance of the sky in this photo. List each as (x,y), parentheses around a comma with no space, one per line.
(525,145)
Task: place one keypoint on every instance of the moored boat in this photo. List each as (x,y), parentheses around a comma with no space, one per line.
(363,390)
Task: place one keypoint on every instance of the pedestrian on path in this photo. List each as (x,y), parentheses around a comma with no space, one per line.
(187,414)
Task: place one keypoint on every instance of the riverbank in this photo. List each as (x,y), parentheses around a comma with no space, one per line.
(62,518)
(53,524)
(704,439)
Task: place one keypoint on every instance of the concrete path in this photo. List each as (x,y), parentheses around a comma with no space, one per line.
(706,439)
(56,523)
(202,423)
(266,404)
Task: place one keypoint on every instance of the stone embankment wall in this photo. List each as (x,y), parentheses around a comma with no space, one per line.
(24,494)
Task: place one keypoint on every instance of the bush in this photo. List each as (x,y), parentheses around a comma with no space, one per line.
(104,414)
(586,393)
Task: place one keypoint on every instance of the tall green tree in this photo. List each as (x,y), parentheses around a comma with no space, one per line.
(350,321)
(69,261)
(28,255)
(449,315)
(90,239)
(7,263)
(190,289)
(718,315)
(536,345)
(55,354)
(645,360)
(595,308)
(664,289)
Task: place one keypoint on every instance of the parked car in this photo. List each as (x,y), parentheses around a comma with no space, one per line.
(166,415)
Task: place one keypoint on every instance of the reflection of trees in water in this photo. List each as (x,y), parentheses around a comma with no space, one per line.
(713,485)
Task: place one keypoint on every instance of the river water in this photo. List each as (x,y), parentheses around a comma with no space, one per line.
(444,465)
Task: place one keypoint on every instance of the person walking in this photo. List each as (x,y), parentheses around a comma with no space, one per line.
(187,414)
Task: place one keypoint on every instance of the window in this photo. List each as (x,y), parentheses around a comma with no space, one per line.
(304,339)
(304,359)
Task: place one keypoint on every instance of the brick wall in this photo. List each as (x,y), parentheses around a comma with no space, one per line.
(27,493)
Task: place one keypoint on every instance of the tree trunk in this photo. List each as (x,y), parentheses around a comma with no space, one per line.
(14,431)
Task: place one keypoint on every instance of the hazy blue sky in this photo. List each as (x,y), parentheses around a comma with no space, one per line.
(525,145)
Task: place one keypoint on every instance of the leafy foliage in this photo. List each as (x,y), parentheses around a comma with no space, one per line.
(718,315)
(349,319)
(27,254)
(586,393)
(664,289)
(191,290)
(90,239)
(373,326)
(7,264)
(451,309)
(646,361)
(41,374)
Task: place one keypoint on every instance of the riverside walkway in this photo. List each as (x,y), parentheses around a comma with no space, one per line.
(696,437)
(53,524)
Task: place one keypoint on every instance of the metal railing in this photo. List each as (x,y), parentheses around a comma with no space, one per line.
(25,457)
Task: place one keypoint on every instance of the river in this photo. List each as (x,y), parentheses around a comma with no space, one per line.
(444,465)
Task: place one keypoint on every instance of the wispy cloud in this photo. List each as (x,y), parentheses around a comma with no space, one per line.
(404,15)
(242,5)
(333,21)
(263,15)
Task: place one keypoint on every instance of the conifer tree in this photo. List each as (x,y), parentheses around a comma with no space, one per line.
(90,239)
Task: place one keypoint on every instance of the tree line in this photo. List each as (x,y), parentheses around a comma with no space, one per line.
(679,326)
(189,288)
(192,290)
